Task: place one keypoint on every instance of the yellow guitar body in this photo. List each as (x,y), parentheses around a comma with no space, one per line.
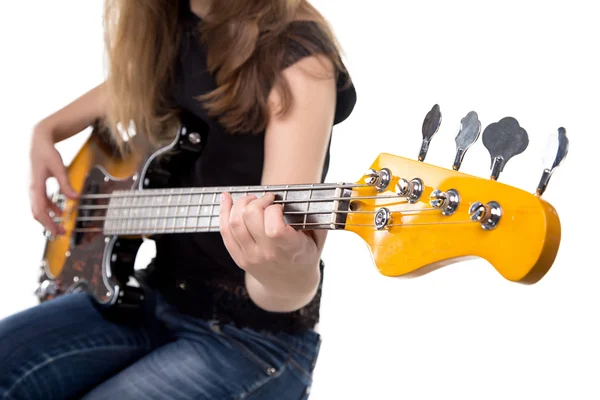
(95,152)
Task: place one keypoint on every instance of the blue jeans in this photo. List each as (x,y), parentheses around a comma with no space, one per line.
(65,348)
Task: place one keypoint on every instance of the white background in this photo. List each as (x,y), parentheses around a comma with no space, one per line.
(462,332)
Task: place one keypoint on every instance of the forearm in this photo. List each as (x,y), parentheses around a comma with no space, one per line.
(282,263)
(286,292)
(74,117)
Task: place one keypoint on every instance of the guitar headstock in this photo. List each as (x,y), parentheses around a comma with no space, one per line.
(417,217)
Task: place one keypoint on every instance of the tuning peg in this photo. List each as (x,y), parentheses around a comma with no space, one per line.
(379,179)
(371,177)
(556,151)
(504,139)
(470,128)
(431,124)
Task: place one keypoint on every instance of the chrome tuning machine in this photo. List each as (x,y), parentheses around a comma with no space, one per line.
(470,128)
(446,201)
(383,217)
(488,214)
(412,190)
(431,124)
(504,139)
(556,152)
(379,179)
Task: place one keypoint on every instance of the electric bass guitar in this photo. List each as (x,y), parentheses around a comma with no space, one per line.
(414,217)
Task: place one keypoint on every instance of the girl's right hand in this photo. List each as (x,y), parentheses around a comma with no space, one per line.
(46,163)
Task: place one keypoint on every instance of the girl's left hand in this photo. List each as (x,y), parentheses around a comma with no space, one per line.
(261,243)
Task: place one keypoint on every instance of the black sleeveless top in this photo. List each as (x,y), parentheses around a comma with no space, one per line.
(196,272)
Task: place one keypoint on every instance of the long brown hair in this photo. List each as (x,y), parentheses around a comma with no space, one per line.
(247,44)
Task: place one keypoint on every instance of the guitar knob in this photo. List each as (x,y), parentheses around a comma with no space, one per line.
(48,235)
(46,288)
(194,138)
(59,200)
(487,214)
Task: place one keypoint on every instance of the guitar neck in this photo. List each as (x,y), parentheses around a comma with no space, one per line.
(193,210)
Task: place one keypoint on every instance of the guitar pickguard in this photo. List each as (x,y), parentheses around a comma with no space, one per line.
(85,259)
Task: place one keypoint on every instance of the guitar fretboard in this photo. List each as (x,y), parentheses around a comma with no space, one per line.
(190,210)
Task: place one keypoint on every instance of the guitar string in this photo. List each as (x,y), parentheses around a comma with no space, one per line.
(401,199)
(208,228)
(200,190)
(301,213)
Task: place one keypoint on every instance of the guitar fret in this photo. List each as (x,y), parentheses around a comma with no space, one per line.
(114,213)
(188,226)
(147,213)
(111,225)
(166,220)
(113,209)
(151,216)
(139,214)
(129,213)
(199,209)
(117,213)
(129,226)
(335,208)
(212,210)
(122,214)
(137,222)
(187,199)
(285,195)
(144,221)
(157,201)
(175,218)
(143,215)
(307,207)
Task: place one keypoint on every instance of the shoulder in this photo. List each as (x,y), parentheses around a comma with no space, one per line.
(312,54)
(312,68)
(305,38)
(311,83)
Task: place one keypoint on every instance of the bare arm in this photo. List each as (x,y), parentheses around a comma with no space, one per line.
(282,264)
(75,116)
(45,160)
